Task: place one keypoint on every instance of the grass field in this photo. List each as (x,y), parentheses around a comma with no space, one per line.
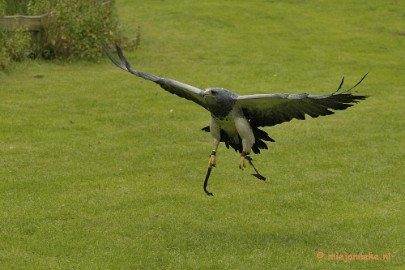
(102,170)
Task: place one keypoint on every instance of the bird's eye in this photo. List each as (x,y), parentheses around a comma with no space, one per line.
(214,92)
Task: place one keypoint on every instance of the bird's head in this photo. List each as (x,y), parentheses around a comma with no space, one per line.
(218,94)
(219,100)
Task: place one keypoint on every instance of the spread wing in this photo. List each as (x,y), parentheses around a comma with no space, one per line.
(180,89)
(273,109)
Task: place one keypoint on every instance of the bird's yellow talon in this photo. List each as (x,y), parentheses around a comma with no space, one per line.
(242,163)
(212,161)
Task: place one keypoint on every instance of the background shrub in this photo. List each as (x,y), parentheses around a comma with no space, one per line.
(16,45)
(13,45)
(11,7)
(81,29)
(74,29)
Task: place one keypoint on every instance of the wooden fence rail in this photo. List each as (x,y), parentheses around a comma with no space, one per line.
(18,22)
(33,24)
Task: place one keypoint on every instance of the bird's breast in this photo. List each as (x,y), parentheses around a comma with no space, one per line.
(227,124)
(219,110)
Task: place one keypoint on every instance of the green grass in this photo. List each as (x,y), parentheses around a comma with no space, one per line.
(91,180)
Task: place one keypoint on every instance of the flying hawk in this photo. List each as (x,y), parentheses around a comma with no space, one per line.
(235,119)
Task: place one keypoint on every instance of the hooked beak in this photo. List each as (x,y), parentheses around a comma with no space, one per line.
(207,93)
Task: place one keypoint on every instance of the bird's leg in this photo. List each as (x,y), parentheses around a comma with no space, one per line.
(242,163)
(216,139)
(212,160)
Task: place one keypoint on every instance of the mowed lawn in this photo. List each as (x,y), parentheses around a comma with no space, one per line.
(102,170)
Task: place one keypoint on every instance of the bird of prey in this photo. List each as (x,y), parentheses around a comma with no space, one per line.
(236,119)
